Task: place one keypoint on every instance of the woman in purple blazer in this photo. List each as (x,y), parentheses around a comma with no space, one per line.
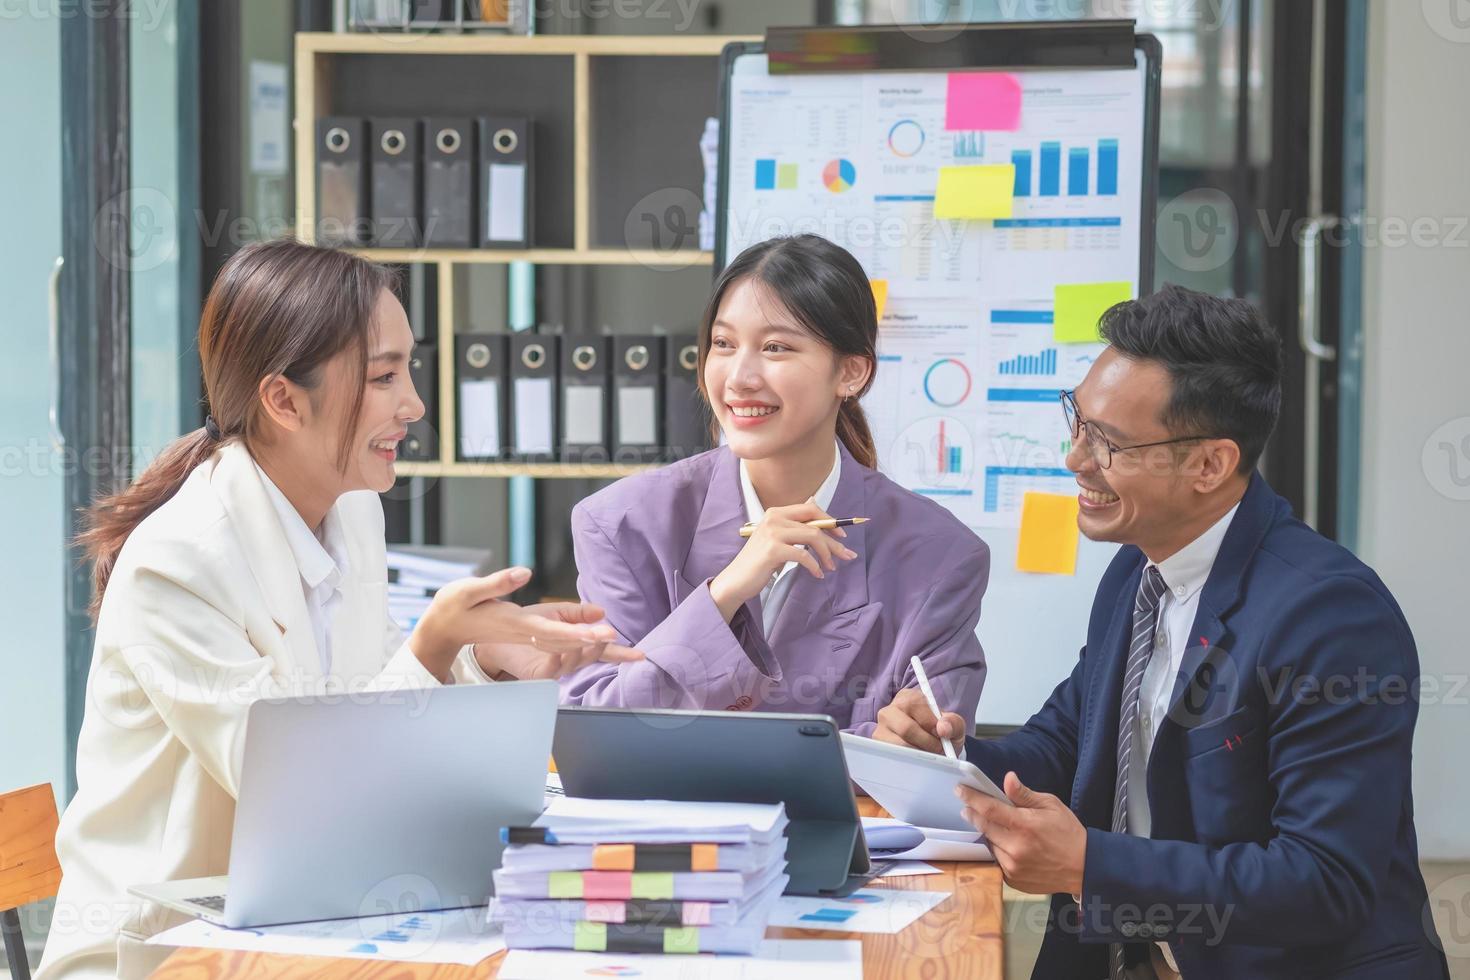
(791,618)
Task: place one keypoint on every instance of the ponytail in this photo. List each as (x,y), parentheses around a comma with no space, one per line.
(110,520)
(853,431)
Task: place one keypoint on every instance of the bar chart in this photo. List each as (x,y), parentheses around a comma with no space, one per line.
(773,175)
(1083,179)
(1044,363)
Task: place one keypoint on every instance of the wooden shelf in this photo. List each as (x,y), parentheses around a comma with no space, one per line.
(541,256)
(598,163)
(394,42)
(554,471)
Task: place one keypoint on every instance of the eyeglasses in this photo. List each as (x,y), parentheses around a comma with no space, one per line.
(1099,445)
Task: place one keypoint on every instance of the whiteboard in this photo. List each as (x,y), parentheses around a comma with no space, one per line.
(964,406)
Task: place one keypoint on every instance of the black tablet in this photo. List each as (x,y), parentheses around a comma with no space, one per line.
(738,757)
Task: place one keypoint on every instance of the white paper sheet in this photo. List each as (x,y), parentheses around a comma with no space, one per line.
(582,414)
(507,202)
(479,418)
(907,869)
(460,936)
(872,910)
(938,845)
(810,959)
(533,415)
(636,416)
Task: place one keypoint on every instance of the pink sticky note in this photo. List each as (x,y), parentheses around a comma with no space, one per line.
(983,100)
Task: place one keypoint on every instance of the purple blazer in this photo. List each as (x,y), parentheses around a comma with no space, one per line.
(648,545)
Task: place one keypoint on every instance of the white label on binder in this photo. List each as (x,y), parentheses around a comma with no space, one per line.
(507,198)
(479,418)
(583,415)
(533,415)
(636,409)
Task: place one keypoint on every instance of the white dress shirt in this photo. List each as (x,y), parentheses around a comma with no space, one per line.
(1184,574)
(773,596)
(321,557)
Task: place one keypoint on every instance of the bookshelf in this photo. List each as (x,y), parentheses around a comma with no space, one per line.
(594,99)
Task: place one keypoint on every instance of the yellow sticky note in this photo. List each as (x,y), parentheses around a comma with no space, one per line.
(655,886)
(975,192)
(880,295)
(589,937)
(1077,307)
(564,884)
(1048,534)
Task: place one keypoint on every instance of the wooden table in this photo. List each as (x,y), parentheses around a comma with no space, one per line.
(959,938)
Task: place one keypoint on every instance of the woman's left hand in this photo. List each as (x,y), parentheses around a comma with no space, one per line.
(551,653)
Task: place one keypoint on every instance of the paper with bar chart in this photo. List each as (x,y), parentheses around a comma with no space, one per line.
(965,403)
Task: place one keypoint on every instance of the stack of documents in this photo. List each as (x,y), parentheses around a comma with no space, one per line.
(642,876)
(416,572)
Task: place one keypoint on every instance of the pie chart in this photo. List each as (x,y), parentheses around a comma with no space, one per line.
(839,175)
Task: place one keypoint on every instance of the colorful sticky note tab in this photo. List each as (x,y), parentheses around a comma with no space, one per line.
(975,192)
(652,886)
(1048,541)
(983,100)
(681,940)
(1077,307)
(589,937)
(880,295)
(564,884)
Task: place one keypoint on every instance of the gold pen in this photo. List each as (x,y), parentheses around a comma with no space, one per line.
(823,524)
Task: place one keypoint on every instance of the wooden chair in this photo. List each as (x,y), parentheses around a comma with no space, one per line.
(29,871)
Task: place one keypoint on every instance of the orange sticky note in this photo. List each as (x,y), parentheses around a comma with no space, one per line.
(880,295)
(979,192)
(1048,541)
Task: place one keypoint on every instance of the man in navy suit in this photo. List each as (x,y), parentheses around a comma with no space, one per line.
(1221,788)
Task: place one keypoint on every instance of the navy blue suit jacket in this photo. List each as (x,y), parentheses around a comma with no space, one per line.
(1283,824)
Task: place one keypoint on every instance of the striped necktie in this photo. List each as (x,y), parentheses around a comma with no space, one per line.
(1140,649)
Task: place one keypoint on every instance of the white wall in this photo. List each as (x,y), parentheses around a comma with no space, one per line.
(1415,518)
(32,712)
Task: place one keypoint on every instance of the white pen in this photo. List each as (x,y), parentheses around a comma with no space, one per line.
(929,696)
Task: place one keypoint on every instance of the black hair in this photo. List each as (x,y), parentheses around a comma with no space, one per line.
(826,290)
(1222,356)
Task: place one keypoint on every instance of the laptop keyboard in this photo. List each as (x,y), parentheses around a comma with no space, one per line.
(215,903)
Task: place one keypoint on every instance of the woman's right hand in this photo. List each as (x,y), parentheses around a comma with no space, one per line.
(472,610)
(781,537)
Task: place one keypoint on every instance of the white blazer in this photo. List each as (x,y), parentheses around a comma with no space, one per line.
(203,615)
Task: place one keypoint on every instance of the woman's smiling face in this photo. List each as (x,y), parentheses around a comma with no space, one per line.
(772,385)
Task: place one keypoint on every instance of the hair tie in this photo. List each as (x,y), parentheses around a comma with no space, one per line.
(212,428)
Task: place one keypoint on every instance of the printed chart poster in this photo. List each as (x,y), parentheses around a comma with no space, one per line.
(965,407)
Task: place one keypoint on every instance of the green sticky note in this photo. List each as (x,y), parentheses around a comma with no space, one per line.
(681,940)
(1077,307)
(975,192)
(654,885)
(564,884)
(590,937)
(786,176)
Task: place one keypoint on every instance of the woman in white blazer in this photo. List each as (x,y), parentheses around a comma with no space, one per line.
(246,562)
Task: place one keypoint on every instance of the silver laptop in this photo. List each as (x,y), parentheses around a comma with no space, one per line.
(373,804)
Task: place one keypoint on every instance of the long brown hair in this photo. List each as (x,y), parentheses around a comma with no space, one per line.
(825,289)
(277,308)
